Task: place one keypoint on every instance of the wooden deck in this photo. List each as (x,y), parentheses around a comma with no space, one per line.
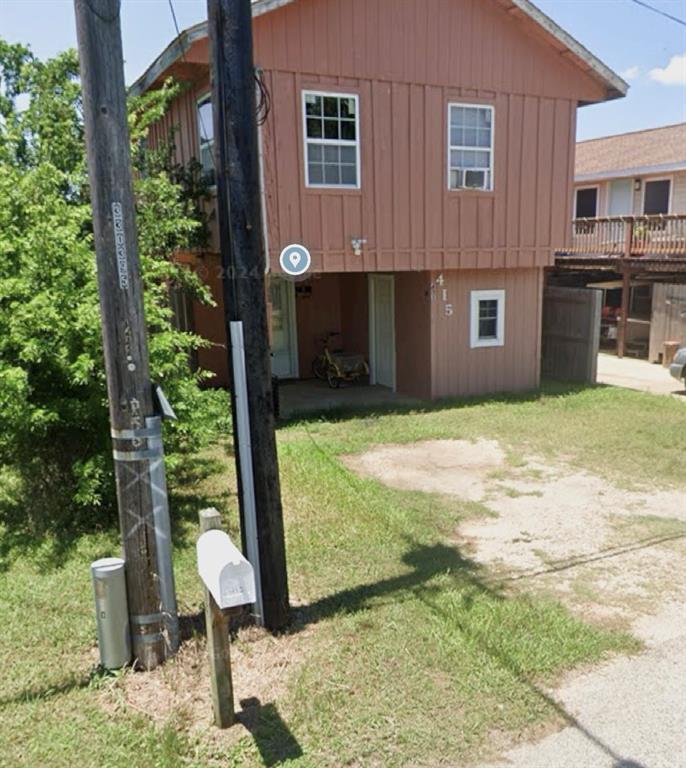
(652,247)
(640,243)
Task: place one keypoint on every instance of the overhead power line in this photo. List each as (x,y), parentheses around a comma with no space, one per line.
(660,11)
(203,127)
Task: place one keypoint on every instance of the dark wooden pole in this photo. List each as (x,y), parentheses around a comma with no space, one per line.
(218,642)
(243,259)
(121,305)
(624,317)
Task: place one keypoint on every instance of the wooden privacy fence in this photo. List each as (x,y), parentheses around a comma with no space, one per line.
(630,236)
(571,334)
(668,322)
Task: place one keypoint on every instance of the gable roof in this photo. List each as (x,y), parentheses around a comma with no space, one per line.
(520,9)
(654,150)
(565,43)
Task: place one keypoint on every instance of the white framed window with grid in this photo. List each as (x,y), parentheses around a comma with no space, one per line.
(487,319)
(470,146)
(331,131)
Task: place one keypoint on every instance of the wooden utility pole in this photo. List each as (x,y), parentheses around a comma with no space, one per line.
(218,642)
(136,431)
(626,286)
(243,259)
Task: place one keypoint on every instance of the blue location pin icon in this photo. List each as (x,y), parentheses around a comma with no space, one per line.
(295,260)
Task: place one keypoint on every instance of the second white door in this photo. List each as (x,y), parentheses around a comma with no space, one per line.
(284,338)
(382,330)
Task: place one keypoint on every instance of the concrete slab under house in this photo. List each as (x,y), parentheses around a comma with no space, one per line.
(426,164)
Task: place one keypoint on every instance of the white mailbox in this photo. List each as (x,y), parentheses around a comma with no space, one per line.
(228,576)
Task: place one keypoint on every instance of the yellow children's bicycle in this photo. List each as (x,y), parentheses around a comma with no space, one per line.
(334,367)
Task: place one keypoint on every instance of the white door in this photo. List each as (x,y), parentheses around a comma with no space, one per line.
(382,330)
(621,200)
(284,339)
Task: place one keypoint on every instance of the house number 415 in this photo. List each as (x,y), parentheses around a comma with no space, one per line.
(448,309)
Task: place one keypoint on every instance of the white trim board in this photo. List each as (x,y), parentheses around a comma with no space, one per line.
(645,170)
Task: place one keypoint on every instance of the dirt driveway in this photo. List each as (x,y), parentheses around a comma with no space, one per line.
(612,554)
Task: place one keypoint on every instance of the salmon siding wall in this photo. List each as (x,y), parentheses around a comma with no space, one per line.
(407,60)
(331,303)
(458,369)
(413,333)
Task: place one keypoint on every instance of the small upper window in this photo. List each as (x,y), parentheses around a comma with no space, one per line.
(487,322)
(332,148)
(470,147)
(206,136)
(586,206)
(656,197)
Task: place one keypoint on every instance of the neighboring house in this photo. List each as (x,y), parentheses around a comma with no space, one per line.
(641,175)
(637,173)
(423,151)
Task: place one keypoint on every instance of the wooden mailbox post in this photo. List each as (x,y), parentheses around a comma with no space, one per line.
(229,582)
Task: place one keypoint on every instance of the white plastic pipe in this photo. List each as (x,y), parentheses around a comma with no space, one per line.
(245,460)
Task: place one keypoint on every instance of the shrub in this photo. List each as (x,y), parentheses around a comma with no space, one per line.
(55,451)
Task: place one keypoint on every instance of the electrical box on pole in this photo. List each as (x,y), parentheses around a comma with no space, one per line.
(136,428)
(244,260)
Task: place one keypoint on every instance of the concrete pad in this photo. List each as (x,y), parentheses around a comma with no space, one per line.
(314,396)
(629,713)
(637,374)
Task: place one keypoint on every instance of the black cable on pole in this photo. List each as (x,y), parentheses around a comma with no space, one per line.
(659,11)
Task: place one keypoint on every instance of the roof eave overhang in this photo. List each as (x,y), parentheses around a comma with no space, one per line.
(615,87)
(628,173)
(172,53)
(178,47)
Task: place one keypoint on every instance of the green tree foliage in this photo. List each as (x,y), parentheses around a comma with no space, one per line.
(55,450)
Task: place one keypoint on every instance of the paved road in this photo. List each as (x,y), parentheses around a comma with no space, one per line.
(636,374)
(628,713)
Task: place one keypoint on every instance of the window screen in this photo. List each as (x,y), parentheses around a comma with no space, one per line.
(331,140)
(470,147)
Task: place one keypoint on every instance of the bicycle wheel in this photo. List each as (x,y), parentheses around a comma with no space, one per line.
(333,380)
(319,367)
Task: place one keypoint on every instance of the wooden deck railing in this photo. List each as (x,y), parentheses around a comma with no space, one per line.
(662,236)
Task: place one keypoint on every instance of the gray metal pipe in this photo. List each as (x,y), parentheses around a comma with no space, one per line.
(111,611)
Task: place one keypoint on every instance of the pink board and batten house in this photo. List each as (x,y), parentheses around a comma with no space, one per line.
(423,151)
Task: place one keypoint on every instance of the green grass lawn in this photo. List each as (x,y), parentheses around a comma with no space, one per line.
(413,654)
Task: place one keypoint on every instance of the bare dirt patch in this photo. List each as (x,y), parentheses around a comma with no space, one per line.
(455,467)
(612,553)
(179,691)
